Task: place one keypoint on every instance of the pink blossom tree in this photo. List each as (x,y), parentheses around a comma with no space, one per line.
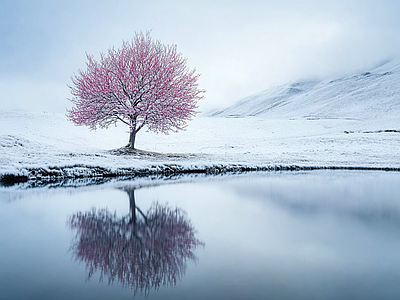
(142,251)
(144,83)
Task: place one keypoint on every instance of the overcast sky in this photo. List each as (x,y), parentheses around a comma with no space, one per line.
(240,47)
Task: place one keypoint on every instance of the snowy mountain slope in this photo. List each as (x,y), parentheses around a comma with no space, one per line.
(370,95)
(266,100)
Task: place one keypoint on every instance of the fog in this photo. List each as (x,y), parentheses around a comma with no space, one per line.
(239,47)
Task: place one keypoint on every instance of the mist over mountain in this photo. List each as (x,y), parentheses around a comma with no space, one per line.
(372,95)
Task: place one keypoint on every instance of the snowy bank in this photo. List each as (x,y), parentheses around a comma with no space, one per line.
(45,146)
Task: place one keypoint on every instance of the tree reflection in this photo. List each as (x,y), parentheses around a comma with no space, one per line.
(141,250)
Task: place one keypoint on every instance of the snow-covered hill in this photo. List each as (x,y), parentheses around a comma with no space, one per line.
(373,95)
(351,122)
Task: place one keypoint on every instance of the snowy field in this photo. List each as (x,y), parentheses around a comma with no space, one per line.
(347,122)
(43,140)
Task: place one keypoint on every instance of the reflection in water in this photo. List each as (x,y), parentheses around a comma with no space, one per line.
(142,250)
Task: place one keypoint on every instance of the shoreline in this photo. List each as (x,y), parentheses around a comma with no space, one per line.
(43,176)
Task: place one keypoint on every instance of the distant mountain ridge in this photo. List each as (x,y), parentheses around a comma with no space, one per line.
(368,95)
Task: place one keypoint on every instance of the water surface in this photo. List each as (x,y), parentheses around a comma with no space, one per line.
(301,235)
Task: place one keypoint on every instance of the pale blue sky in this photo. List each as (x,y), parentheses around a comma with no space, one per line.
(240,47)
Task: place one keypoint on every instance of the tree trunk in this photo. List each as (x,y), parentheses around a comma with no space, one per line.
(132,206)
(132,138)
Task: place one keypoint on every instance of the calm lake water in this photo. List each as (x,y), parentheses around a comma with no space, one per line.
(301,235)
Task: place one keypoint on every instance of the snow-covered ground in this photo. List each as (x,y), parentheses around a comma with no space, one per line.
(351,121)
